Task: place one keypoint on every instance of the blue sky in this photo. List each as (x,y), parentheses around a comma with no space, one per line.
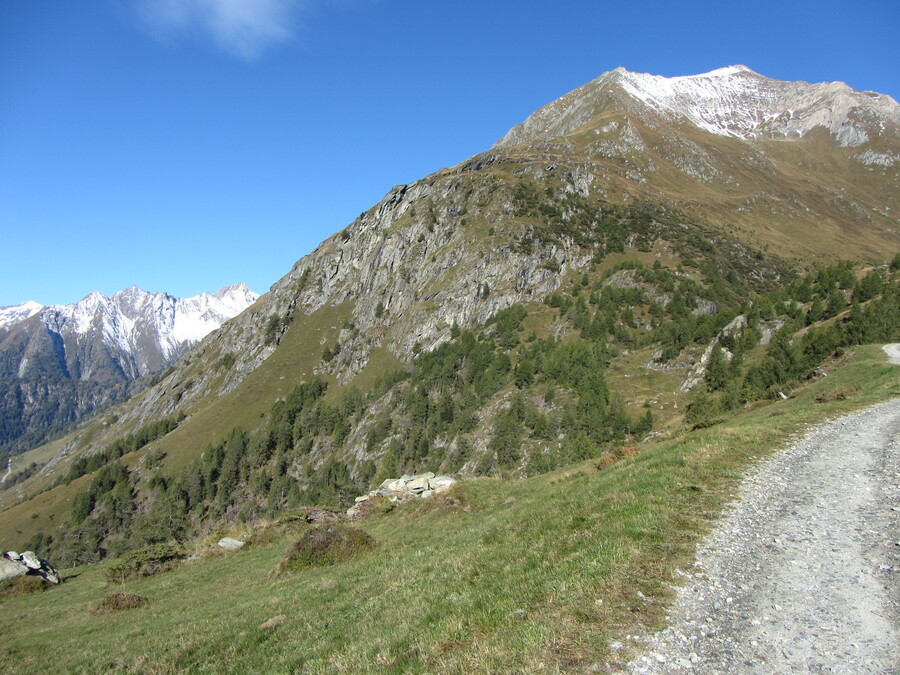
(182,145)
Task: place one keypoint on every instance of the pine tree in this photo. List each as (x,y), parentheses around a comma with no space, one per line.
(716,370)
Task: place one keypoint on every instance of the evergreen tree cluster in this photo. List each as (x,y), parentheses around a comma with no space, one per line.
(555,215)
(499,399)
(130,443)
(810,333)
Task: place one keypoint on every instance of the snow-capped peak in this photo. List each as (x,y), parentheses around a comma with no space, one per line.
(729,70)
(236,295)
(199,315)
(736,101)
(147,330)
(17,313)
(731,101)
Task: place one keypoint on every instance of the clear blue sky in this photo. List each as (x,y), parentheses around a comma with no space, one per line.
(182,145)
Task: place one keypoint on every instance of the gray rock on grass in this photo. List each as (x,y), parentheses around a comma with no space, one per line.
(10,569)
(421,485)
(13,565)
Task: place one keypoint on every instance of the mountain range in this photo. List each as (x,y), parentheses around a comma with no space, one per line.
(565,290)
(60,363)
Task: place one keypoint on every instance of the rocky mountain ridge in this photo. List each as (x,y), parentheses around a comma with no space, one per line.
(583,183)
(60,362)
(133,319)
(16,313)
(733,101)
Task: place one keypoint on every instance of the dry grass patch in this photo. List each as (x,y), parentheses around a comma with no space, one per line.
(324,545)
(24,585)
(839,394)
(117,602)
(619,453)
(444,502)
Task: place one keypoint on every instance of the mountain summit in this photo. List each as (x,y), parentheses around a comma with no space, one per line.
(810,169)
(732,101)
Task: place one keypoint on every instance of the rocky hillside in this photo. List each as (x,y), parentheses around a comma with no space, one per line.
(565,292)
(808,169)
(784,166)
(60,363)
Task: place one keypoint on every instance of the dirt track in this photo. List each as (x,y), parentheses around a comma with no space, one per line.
(803,572)
(893,352)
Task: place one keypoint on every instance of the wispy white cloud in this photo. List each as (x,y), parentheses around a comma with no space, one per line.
(245,28)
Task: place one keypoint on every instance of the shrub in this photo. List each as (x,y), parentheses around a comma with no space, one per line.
(445,502)
(703,411)
(375,507)
(116,602)
(324,545)
(24,585)
(226,362)
(143,562)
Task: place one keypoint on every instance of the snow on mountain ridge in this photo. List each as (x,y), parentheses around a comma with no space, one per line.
(731,101)
(238,296)
(736,101)
(20,312)
(147,329)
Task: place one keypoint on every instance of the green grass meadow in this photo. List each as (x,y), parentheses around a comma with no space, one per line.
(496,576)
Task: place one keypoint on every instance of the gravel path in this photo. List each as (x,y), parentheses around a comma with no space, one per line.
(802,574)
(893,352)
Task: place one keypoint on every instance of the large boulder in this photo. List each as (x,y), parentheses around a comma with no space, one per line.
(13,565)
(30,559)
(441,483)
(10,569)
(418,484)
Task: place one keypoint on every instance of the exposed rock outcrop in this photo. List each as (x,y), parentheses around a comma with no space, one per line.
(698,372)
(421,486)
(14,565)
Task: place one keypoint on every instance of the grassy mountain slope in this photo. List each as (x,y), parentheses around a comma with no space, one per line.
(534,575)
(522,396)
(611,318)
(634,282)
